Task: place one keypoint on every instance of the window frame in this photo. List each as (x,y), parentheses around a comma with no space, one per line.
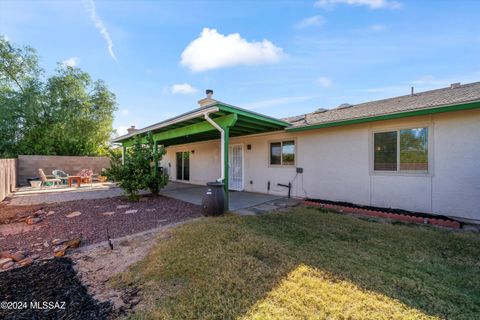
(397,129)
(281,141)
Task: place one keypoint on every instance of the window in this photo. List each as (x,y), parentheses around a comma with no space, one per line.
(282,153)
(403,150)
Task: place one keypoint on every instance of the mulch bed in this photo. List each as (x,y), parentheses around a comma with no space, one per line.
(48,290)
(153,211)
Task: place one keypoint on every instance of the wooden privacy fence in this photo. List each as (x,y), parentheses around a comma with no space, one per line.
(8,177)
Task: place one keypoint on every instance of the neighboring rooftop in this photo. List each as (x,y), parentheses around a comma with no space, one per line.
(453,95)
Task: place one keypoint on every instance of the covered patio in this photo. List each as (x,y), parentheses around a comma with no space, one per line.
(213,120)
(194,194)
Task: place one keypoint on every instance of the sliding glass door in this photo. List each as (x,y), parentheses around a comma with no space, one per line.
(183,166)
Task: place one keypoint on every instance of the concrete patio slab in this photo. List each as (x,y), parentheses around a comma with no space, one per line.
(194,194)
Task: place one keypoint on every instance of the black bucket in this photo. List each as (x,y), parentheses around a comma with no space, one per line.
(213,202)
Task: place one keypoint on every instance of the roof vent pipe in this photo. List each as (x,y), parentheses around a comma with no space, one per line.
(131,129)
(412,91)
(455,85)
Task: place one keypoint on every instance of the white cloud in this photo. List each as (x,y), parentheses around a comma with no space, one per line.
(372,4)
(214,50)
(324,82)
(71,62)
(124,112)
(277,102)
(310,22)
(90,6)
(376,27)
(183,88)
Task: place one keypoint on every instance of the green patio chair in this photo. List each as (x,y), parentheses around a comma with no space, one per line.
(45,180)
(59,174)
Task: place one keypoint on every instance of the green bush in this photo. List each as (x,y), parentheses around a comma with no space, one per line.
(138,171)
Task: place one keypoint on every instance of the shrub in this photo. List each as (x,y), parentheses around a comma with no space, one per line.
(138,171)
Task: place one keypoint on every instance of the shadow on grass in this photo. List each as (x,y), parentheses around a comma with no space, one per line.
(308,264)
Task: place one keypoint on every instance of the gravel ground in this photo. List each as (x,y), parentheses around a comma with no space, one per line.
(48,290)
(92,224)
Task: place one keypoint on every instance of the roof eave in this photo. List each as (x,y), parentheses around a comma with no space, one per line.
(185,116)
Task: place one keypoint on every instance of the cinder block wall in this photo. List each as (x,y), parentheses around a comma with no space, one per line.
(28,165)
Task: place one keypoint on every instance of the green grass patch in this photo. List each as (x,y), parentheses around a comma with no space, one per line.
(308,264)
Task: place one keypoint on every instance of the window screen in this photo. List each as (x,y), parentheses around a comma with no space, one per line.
(385,152)
(276,153)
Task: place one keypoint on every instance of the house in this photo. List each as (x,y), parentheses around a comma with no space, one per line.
(418,152)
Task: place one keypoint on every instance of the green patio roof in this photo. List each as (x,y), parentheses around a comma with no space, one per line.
(192,126)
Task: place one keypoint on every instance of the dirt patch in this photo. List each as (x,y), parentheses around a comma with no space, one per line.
(48,290)
(97,264)
(93,224)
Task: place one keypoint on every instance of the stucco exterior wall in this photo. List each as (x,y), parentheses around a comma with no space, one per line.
(337,165)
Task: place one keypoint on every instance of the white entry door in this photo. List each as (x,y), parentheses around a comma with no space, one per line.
(235,167)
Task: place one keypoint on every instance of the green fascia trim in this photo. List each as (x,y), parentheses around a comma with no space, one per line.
(450,108)
(204,126)
(260,118)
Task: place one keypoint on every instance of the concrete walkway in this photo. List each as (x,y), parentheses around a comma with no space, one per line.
(245,203)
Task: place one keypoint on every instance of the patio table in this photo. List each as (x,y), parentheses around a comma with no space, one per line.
(77,178)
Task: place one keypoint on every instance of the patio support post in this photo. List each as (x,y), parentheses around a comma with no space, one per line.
(225,163)
(124,149)
(155,158)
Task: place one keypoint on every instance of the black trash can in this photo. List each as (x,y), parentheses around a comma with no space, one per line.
(213,202)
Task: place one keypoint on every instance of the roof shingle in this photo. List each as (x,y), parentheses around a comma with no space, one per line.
(424,100)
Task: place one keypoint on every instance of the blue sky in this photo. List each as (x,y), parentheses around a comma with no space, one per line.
(280,58)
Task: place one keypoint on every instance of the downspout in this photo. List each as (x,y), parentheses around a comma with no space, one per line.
(222,145)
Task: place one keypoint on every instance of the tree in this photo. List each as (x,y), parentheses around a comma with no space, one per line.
(66,114)
(138,172)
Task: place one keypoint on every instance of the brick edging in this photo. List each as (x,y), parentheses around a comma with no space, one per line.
(380,214)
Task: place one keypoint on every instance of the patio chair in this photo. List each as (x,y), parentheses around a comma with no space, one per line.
(59,174)
(46,180)
(86,176)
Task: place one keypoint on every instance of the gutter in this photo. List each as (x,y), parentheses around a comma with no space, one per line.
(222,144)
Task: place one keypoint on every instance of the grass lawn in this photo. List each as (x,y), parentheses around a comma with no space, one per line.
(308,264)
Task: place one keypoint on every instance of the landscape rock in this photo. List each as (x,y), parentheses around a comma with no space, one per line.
(17,256)
(131,211)
(45,244)
(59,248)
(8,265)
(5,260)
(73,214)
(123,206)
(57,242)
(32,220)
(74,243)
(26,262)
(108,213)
(49,213)
(4,254)
(35,256)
